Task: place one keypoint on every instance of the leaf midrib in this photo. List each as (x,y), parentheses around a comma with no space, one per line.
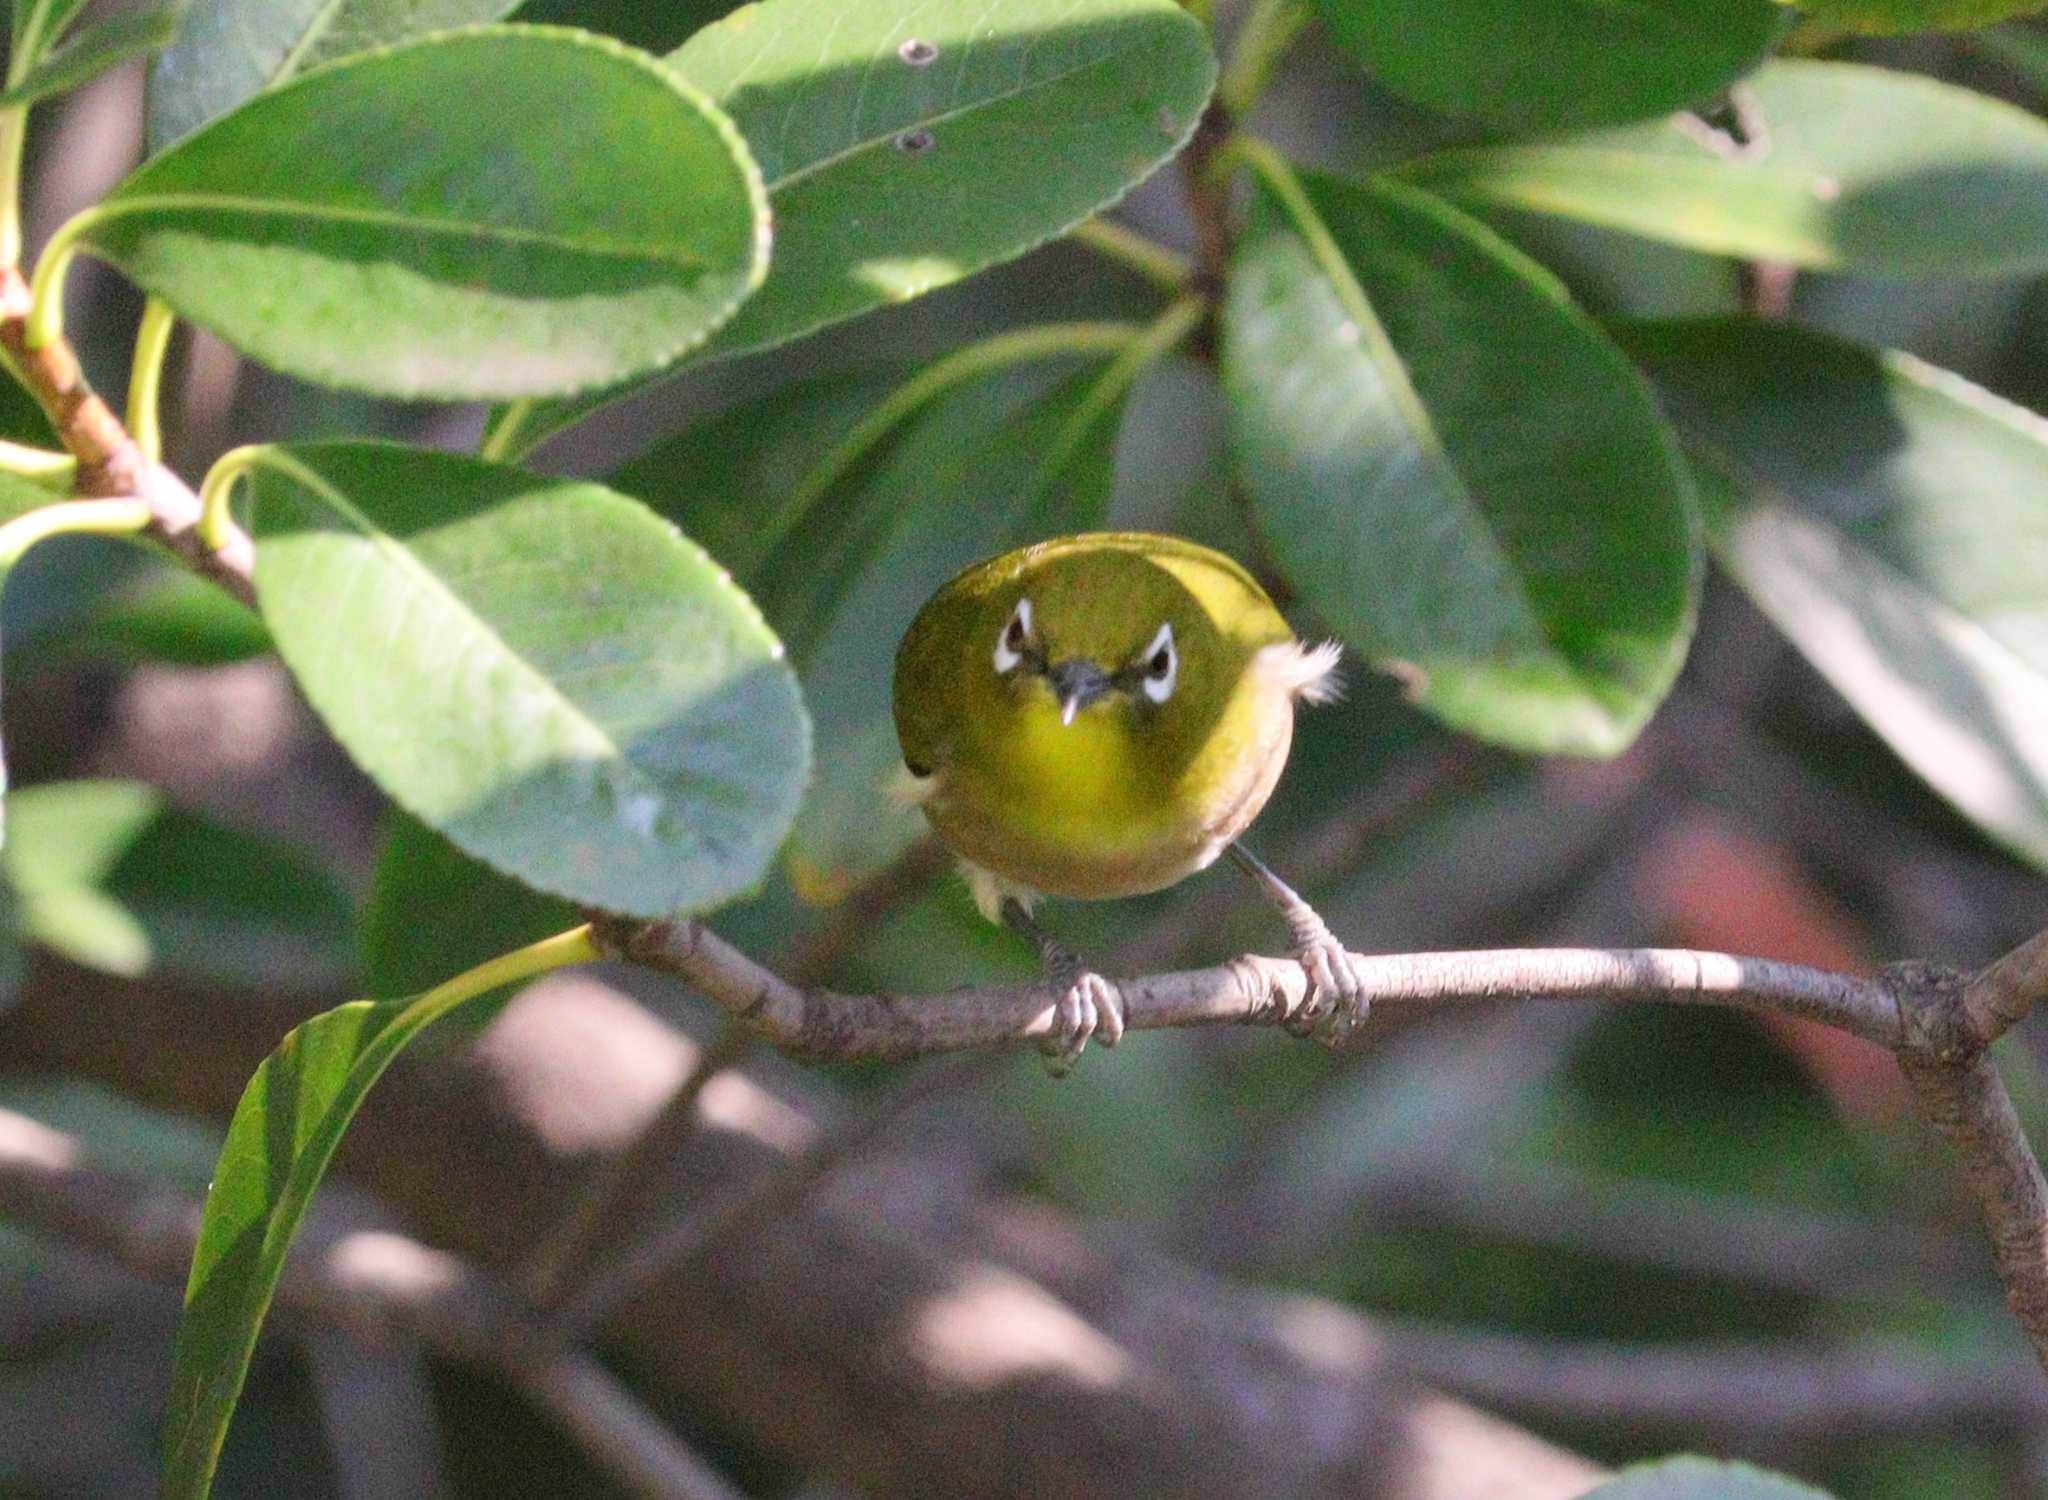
(116,208)
(431,583)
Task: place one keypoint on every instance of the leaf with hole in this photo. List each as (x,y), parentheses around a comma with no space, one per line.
(368,226)
(908,144)
(1892,520)
(1455,468)
(1555,64)
(540,669)
(111,876)
(1852,169)
(232,50)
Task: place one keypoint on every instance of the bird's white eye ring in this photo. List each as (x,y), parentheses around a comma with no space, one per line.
(1161,666)
(1016,637)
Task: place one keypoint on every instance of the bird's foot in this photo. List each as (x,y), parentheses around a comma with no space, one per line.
(1336,1001)
(1084,1005)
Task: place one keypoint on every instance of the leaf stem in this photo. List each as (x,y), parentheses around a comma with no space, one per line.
(999,351)
(89,517)
(1268,31)
(216,521)
(501,433)
(145,380)
(39,466)
(1165,268)
(576,946)
(45,324)
(13,135)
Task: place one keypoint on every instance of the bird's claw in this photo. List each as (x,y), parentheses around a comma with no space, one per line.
(1336,1001)
(1085,1005)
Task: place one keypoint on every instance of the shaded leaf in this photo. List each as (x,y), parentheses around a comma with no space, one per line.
(433,912)
(891,173)
(1011,457)
(1691,1478)
(38,25)
(177,618)
(1882,16)
(1892,520)
(1955,183)
(111,876)
(1555,64)
(367,225)
(283,1135)
(121,37)
(232,50)
(538,668)
(1455,468)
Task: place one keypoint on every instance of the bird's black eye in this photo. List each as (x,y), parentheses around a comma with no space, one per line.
(1161,666)
(1161,663)
(1014,636)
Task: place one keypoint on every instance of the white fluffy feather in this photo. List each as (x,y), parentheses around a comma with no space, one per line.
(1308,673)
(990,890)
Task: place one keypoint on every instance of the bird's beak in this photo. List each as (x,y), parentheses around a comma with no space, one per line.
(1076,682)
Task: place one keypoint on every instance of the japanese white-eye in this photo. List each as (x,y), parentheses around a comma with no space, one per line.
(1102,715)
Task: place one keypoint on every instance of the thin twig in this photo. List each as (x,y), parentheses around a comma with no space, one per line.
(368,1281)
(1777,1391)
(111,463)
(818,1023)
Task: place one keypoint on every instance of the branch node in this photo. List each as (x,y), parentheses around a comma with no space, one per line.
(1929,998)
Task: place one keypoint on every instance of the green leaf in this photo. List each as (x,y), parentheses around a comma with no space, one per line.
(369,225)
(1883,16)
(433,912)
(283,1135)
(121,37)
(177,618)
(112,877)
(1555,64)
(1455,468)
(891,173)
(1009,457)
(538,668)
(1890,518)
(38,25)
(1690,1478)
(232,50)
(1861,169)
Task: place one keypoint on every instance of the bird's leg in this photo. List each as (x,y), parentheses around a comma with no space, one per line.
(1336,990)
(1086,1004)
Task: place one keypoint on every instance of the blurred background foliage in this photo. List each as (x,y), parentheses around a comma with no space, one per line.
(1671,1182)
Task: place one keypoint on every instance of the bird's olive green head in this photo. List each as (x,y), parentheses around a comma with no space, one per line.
(1105,649)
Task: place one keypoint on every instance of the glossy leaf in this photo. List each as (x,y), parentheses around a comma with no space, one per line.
(234,49)
(111,876)
(561,683)
(1455,468)
(1555,64)
(433,912)
(1892,520)
(1691,1478)
(121,37)
(370,226)
(284,1133)
(1954,183)
(910,143)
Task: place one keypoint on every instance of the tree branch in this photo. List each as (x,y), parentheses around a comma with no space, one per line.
(111,464)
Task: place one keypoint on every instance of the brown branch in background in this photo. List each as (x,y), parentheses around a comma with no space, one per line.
(1778,1391)
(359,1280)
(110,462)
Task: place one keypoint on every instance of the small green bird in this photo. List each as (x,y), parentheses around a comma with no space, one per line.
(1099,716)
